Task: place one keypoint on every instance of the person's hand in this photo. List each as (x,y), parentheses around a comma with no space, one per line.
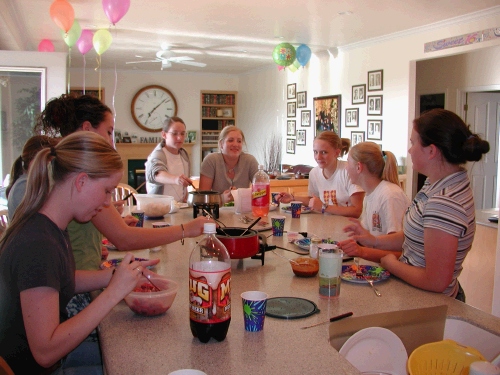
(130,220)
(183,181)
(194,228)
(316,204)
(227,196)
(104,253)
(356,231)
(125,277)
(119,205)
(351,248)
(284,198)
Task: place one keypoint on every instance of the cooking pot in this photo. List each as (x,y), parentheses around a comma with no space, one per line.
(201,197)
(238,247)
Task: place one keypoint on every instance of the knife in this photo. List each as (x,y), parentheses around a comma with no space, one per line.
(335,318)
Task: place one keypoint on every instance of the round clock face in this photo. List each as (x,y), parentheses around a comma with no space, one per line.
(151,106)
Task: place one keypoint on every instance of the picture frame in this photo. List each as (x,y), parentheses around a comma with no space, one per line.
(91,91)
(301,137)
(291,127)
(291,109)
(302,99)
(327,112)
(227,112)
(126,140)
(190,136)
(357,137)
(358,94)
(376,80)
(291,91)
(374,130)
(290,146)
(305,118)
(375,104)
(352,117)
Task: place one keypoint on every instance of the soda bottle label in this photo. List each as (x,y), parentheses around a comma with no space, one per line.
(209,292)
(260,195)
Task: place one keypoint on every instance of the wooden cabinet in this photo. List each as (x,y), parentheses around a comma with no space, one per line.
(296,187)
(218,110)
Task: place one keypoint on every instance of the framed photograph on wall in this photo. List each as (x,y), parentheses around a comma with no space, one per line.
(352,117)
(358,94)
(374,107)
(302,99)
(291,109)
(327,114)
(301,137)
(290,127)
(374,129)
(376,80)
(291,91)
(357,137)
(190,136)
(91,91)
(290,146)
(305,118)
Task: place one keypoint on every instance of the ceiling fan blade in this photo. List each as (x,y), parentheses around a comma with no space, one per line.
(165,54)
(180,58)
(141,61)
(193,63)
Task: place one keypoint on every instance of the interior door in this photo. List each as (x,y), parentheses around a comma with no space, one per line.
(483,116)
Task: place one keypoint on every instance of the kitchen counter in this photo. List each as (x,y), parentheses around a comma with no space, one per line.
(133,344)
(483,215)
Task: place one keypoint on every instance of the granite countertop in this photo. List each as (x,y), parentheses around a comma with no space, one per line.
(483,215)
(134,344)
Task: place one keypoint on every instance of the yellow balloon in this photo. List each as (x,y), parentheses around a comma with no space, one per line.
(101,41)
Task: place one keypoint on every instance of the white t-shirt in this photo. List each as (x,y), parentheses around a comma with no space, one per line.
(335,190)
(384,208)
(176,167)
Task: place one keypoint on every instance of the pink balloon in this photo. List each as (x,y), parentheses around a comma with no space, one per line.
(46,46)
(280,68)
(85,42)
(115,9)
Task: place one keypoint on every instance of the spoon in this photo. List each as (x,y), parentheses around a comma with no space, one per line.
(284,257)
(250,226)
(152,283)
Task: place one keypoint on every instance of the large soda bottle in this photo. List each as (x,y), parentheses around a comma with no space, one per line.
(260,193)
(209,287)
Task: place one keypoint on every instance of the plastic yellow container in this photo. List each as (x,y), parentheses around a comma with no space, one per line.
(445,357)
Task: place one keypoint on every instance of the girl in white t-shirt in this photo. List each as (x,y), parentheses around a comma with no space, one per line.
(330,188)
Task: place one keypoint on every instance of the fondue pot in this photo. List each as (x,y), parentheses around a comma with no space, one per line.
(201,197)
(239,247)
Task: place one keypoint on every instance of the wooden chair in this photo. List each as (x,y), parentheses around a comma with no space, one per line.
(123,190)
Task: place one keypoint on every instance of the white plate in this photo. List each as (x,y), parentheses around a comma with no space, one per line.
(376,349)
(273,207)
(183,205)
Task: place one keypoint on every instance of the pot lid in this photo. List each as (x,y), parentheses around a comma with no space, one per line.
(290,308)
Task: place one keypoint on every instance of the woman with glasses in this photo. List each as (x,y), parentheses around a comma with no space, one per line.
(168,166)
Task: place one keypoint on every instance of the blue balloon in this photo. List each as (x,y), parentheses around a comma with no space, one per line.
(303,54)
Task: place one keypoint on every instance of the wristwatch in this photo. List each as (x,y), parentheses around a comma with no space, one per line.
(324,207)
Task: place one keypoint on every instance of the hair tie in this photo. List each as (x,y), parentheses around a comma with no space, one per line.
(53,152)
(384,156)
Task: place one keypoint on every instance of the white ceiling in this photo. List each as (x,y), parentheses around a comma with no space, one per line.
(230,36)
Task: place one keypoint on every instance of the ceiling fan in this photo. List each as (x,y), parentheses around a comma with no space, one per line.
(167,57)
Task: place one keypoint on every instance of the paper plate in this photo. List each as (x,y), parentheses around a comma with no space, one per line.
(290,308)
(115,262)
(376,349)
(373,273)
(303,210)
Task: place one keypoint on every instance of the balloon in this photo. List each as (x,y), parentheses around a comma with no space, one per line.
(292,68)
(72,35)
(63,14)
(102,40)
(46,46)
(303,54)
(284,54)
(115,9)
(280,68)
(296,64)
(84,43)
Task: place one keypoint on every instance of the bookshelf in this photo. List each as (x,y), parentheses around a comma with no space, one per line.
(218,110)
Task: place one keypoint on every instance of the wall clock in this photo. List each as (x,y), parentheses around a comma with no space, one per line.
(151,106)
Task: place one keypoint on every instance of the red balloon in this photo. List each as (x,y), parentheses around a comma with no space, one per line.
(63,14)
(46,46)
(115,9)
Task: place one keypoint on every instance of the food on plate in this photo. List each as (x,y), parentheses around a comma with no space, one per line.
(229,204)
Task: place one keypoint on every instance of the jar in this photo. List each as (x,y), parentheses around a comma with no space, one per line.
(313,247)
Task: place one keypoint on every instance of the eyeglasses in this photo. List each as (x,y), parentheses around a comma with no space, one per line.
(176,134)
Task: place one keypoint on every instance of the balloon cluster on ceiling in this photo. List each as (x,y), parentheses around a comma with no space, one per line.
(285,55)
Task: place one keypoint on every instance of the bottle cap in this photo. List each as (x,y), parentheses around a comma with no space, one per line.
(209,228)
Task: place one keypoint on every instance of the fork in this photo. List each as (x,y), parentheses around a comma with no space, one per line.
(360,275)
(373,286)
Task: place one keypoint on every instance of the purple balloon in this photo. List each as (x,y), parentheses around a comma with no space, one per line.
(115,9)
(85,43)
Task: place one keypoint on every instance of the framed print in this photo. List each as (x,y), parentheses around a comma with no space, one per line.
(374,129)
(290,146)
(305,118)
(376,80)
(290,127)
(358,94)
(190,136)
(301,137)
(291,90)
(327,114)
(352,117)
(91,91)
(374,107)
(302,99)
(357,137)
(290,109)
(227,112)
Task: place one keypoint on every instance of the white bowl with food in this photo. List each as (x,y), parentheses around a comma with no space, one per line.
(155,206)
(148,301)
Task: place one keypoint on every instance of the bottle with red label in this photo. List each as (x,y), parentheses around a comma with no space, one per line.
(261,193)
(209,287)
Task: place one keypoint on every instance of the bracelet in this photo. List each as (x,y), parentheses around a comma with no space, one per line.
(182,239)
(324,207)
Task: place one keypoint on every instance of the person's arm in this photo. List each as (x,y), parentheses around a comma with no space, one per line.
(352,248)
(166,178)
(287,198)
(205,183)
(354,210)
(50,340)
(440,254)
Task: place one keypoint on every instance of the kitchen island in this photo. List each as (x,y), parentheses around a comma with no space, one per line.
(132,344)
